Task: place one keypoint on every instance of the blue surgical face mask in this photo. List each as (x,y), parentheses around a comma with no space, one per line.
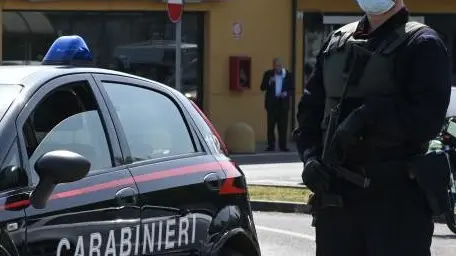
(376,7)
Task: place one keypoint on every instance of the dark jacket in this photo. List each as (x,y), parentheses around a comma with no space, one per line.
(270,99)
(423,74)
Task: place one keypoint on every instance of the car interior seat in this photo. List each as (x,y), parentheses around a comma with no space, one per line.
(57,115)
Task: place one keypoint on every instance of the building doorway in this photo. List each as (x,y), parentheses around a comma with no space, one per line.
(317,26)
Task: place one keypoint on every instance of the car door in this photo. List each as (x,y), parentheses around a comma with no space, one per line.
(96,215)
(13,199)
(177,180)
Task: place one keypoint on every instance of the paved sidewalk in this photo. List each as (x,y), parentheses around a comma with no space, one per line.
(263,157)
(274,168)
(277,174)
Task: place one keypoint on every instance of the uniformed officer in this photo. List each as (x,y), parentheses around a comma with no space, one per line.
(397,79)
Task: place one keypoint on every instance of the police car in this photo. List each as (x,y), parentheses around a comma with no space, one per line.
(98,162)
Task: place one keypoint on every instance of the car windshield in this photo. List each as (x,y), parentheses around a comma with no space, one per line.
(7,95)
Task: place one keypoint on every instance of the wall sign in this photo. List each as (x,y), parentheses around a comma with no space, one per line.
(237,30)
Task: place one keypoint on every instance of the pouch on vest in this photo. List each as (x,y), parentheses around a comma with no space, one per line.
(433,173)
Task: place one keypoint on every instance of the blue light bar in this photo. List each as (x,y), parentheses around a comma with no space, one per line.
(68,50)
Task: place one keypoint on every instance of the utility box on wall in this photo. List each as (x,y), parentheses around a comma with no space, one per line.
(240,73)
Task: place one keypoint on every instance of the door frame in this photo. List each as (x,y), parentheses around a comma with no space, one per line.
(345,19)
(38,96)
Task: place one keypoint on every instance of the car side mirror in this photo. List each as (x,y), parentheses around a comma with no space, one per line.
(12,177)
(59,166)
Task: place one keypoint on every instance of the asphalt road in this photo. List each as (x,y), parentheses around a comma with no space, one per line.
(280,173)
(292,235)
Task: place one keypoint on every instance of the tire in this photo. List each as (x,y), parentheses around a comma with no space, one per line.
(230,252)
(451,218)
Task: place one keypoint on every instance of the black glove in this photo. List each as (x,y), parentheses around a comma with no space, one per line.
(315,176)
(348,133)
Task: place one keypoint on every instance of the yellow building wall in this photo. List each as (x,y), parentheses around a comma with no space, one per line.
(299,76)
(422,6)
(266,34)
(96,5)
(1,36)
(263,39)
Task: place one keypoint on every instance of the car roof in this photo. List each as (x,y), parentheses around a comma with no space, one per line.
(32,75)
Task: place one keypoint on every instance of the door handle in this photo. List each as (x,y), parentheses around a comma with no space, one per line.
(213,181)
(127,196)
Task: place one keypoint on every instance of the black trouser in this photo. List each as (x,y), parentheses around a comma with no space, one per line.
(277,115)
(391,219)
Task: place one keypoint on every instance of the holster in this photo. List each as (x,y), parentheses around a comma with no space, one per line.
(432,172)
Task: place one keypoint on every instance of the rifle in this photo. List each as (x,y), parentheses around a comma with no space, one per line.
(360,58)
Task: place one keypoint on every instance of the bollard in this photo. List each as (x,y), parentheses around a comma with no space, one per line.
(240,139)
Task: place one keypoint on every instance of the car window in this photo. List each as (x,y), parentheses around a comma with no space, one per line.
(152,123)
(68,119)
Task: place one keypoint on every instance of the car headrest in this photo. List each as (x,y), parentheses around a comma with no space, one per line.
(56,108)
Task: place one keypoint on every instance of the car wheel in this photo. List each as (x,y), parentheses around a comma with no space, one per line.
(230,252)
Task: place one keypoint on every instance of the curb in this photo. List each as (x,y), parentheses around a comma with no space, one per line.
(268,154)
(279,206)
(292,207)
(276,185)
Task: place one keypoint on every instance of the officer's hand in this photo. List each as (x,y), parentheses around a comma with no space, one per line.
(315,176)
(348,132)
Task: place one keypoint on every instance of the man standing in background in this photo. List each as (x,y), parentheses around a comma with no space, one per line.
(278,86)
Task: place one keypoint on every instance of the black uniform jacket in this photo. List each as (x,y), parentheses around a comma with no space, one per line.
(423,73)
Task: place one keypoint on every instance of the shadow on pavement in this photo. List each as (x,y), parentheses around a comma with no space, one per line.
(263,157)
(266,158)
(445,236)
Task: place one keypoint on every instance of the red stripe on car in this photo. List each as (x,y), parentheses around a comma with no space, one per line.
(156,175)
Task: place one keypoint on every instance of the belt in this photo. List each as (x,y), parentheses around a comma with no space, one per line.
(376,174)
(382,175)
(388,174)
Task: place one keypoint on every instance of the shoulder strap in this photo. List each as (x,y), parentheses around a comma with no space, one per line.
(400,35)
(346,32)
(339,37)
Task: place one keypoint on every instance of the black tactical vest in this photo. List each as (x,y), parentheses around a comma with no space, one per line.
(376,77)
